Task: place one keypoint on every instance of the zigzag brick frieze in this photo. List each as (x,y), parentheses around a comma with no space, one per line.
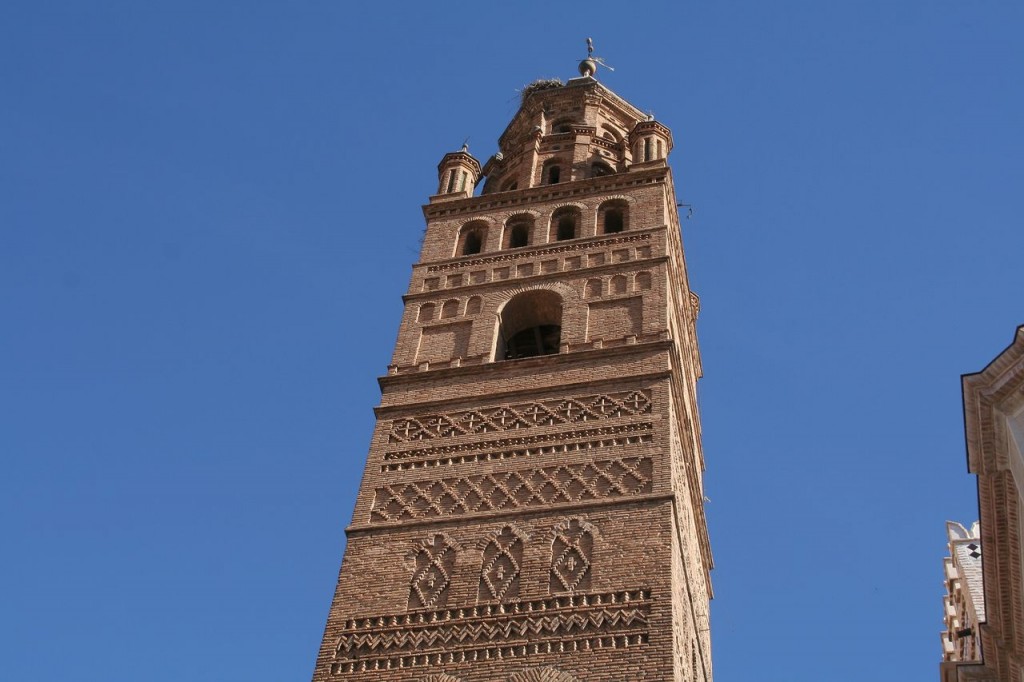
(512,489)
(526,415)
(524,446)
(556,624)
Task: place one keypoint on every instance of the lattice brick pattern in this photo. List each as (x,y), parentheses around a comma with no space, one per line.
(521,416)
(568,623)
(570,557)
(512,489)
(499,571)
(435,562)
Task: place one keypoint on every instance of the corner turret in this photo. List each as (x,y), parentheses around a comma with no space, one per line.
(457,175)
(650,141)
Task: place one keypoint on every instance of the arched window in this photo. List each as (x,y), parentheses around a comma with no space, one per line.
(531,325)
(426,313)
(553,174)
(473,305)
(565,224)
(510,185)
(612,216)
(473,244)
(471,239)
(599,169)
(517,231)
(619,285)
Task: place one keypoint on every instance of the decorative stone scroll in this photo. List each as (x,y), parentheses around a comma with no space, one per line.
(435,564)
(524,415)
(512,490)
(579,622)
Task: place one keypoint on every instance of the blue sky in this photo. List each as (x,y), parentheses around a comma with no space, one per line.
(208,213)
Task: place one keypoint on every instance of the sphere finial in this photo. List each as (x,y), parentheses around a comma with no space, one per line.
(588,67)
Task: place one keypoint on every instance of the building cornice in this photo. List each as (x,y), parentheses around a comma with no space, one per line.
(532,195)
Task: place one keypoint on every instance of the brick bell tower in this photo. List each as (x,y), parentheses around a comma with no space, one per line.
(531,508)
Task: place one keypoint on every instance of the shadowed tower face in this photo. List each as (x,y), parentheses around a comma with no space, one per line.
(531,508)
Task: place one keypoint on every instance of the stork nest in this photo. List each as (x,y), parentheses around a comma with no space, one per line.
(537,85)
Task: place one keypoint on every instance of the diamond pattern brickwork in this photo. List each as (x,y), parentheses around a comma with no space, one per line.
(520,416)
(481,493)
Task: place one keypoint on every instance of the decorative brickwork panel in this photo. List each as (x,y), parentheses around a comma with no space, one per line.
(444,342)
(520,416)
(571,552)
(512,490)
(498,631)
(618,435)
(435,564)
(499,572)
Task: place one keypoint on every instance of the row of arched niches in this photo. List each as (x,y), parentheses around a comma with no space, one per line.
(526,229)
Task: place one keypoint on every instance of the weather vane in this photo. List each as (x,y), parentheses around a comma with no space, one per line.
(588,67)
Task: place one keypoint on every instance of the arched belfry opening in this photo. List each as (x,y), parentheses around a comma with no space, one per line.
(613,216)
(565,224)
(530,325)
(517,231)
(471,239)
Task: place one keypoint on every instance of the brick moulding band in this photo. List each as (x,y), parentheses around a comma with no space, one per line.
(390,381)
(560,509)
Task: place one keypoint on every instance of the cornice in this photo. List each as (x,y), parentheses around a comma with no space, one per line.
(587,187)
(590,270)
(524,365)
(999,387)
(538,250)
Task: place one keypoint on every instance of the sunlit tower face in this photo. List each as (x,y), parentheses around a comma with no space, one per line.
(531,507)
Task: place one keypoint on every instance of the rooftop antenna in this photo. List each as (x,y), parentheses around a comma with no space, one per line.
(588,67)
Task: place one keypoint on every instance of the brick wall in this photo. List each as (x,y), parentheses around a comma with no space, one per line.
(537,518)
